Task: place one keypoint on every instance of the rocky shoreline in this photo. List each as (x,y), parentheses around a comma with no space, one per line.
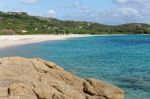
(22,78)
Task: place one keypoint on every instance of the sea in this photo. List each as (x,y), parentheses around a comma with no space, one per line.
(122,60)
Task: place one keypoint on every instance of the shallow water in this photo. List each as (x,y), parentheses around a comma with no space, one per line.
(120,60)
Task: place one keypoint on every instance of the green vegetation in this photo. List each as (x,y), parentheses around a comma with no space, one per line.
(22,23)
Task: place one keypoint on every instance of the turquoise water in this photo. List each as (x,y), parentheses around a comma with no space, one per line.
(120,60)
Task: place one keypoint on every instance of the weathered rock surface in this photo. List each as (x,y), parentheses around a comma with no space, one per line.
(22,78)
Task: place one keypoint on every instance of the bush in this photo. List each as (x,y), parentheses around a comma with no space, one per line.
(7,32)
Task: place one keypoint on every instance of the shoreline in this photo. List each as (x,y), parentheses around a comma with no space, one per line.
(7,41)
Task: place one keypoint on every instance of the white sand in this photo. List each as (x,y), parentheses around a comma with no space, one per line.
(14,40)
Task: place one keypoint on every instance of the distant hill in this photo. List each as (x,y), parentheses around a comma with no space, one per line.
(22,23)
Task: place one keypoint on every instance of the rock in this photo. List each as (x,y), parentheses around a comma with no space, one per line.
(21,90)
(106,90)
(22,78)
(3,91)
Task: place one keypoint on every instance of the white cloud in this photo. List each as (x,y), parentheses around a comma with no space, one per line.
(76,4)
(135,10)
(133,3)
(29,1)
(121,1)
(51,13)
(127,12)
(123,11)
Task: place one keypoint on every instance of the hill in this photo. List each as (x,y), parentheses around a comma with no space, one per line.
(22,23)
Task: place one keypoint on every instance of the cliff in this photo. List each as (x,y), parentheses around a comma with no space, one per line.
(22,78)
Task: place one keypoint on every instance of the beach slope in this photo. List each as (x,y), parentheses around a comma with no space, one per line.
(14,40)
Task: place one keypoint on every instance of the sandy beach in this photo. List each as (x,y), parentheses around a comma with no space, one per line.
(14,40)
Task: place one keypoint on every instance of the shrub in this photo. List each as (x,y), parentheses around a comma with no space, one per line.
(7,32)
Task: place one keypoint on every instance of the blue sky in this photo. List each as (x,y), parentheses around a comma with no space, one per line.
(101,11)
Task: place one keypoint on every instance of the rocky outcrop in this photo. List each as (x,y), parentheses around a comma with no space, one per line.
(22,78)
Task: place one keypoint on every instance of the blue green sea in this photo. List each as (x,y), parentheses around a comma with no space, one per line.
(120,60)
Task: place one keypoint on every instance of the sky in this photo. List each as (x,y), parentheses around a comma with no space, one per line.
(110,12)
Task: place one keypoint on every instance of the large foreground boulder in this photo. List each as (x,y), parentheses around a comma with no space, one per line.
(22,78)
